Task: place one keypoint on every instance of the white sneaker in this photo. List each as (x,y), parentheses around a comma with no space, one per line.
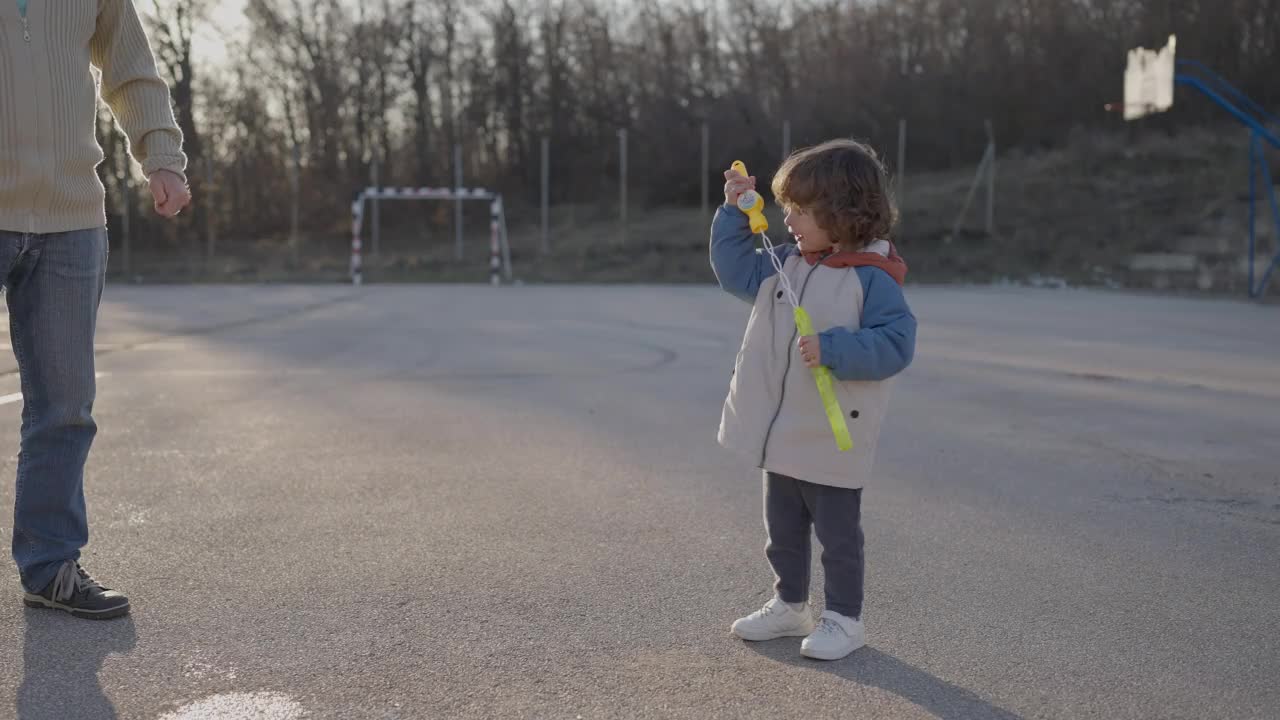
(776,619)
(835,637)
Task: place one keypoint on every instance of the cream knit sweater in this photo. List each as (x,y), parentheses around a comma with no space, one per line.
(49,151)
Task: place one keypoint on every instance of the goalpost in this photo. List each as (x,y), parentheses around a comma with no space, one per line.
(1149,79)
(499,249)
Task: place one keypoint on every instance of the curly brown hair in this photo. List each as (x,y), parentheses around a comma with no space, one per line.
(845,186)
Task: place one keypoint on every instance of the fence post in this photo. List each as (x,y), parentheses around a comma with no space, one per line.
(622,181)
(210,214)
(991,179)
(375,233)
(706,168)
(902,172)
(295,182)
(546,195)
(126,199)
(457,204)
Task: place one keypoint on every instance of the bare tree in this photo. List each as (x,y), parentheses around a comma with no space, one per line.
(173,24)
(405,80)
(420,62)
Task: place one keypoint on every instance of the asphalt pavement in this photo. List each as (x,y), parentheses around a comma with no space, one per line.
(474,502)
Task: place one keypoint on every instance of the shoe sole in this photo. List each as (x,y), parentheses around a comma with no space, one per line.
(834,656)
(40,603)
(799,632)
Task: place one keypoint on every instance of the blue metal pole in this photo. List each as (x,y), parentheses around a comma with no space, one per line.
(1232,90)
(1275,220)
(1256,157)
(1253,195)
(1250,122)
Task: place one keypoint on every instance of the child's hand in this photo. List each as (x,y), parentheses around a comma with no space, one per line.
(810,350)
(735,185)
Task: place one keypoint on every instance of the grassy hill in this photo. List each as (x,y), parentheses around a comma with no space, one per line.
(1107,210)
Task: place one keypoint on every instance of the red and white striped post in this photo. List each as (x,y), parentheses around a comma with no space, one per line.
(357,217)
(495,246)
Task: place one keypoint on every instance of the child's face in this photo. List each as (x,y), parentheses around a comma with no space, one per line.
(809,236)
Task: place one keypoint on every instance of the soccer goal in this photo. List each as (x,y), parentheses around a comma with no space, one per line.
(1149,79)
(499,249)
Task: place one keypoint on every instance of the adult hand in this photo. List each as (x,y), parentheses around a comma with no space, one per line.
(171,194)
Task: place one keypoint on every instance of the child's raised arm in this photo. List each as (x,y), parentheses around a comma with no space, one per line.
(886,342)
(738,266)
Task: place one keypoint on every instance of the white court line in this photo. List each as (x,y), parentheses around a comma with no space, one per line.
(141,345)
(15,397)
(236,705)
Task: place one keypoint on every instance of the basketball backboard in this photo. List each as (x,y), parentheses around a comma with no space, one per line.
(1148,81)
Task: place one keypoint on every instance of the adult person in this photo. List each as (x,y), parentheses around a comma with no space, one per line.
(53,256)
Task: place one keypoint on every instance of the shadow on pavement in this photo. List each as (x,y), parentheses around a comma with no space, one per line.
(874,668)
(62,657)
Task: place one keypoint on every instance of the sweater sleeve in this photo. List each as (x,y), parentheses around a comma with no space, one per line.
(738,266)
(133,89)
(885,343)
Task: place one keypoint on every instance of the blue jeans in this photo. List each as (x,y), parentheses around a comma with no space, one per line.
(53,285)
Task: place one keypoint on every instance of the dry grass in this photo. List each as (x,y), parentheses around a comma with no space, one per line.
(1078,214)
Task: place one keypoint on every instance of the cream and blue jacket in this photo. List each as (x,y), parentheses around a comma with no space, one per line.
(773,414)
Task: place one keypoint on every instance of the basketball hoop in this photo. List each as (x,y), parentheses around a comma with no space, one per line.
(1149,78)
(1148,82)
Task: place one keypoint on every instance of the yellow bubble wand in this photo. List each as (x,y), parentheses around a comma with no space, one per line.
(752,204)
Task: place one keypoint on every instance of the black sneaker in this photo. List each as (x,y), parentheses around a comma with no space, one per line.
(73,591)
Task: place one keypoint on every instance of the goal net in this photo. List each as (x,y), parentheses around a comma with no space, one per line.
(499,249)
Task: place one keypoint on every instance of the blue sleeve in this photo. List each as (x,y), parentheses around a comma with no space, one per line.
(886,341)
(738,266)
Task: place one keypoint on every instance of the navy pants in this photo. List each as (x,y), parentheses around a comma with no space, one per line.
(791,507)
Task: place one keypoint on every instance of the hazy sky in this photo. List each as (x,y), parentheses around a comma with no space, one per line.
(229,17)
